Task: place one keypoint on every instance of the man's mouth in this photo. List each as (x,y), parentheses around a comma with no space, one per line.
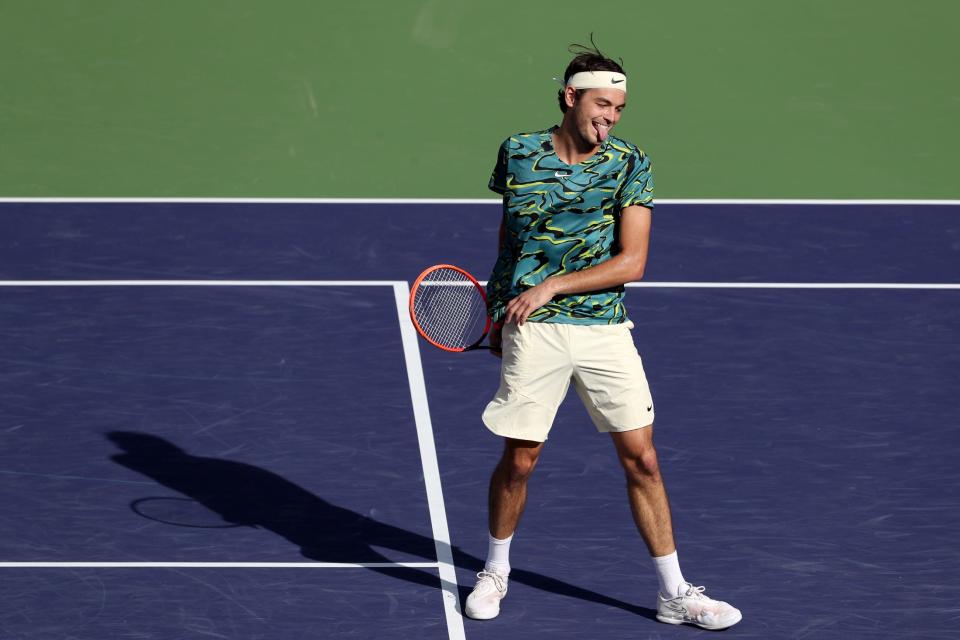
(602,128)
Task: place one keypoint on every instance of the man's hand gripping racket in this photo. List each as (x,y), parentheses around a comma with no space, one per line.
(449,310)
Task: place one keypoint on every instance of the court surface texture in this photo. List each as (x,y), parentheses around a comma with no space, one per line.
(217,422)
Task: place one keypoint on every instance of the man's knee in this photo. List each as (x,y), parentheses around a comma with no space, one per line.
(519,459)
(641,465)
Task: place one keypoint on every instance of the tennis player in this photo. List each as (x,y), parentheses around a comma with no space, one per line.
(577,205)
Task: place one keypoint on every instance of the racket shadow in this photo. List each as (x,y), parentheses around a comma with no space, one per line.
(242,494)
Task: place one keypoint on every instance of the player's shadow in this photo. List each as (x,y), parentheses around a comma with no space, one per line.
(245,495)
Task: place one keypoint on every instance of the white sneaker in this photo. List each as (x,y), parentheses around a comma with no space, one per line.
(692,606)
(483,602)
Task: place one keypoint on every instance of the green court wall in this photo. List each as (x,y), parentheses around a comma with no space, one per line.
(243,98)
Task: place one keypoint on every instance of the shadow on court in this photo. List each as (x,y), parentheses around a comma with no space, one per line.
(245,495)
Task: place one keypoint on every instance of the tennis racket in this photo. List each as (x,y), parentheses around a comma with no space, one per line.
(449,309)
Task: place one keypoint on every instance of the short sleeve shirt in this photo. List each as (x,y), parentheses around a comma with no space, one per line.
(560,218)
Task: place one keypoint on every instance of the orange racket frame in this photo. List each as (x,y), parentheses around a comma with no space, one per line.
(416,324)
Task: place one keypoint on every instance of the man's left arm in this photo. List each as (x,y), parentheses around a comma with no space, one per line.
(626,266)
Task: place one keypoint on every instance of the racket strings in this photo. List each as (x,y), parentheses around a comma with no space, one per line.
(450,309)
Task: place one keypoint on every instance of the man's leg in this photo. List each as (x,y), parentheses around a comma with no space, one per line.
(508,485)
(645,490)
(507,497)
(649,505)
(534,378)
(679,601)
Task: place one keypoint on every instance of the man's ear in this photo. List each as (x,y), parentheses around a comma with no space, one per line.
(570,96)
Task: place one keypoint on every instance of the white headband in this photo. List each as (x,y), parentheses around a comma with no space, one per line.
(598,80)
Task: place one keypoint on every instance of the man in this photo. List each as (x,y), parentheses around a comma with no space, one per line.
(576,225)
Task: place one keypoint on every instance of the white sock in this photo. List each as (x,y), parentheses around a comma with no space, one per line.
(668,571)
(498,556)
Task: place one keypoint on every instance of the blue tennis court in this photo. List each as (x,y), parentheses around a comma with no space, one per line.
(217,422)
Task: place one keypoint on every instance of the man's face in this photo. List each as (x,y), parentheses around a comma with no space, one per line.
(595,112)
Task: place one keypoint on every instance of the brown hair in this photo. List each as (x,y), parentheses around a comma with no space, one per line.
(586,59)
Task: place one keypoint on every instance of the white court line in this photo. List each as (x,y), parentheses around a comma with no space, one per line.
(395,283)
(750,285)
(197,283)
(794,285)
(431,469)
(490,201)
(218,565)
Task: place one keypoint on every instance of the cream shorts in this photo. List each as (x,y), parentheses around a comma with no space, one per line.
(541,359)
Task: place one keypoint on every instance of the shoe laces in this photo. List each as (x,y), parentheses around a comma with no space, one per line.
(698,594)
(495,579)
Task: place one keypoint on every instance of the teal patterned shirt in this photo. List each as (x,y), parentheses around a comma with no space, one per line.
(560,218)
